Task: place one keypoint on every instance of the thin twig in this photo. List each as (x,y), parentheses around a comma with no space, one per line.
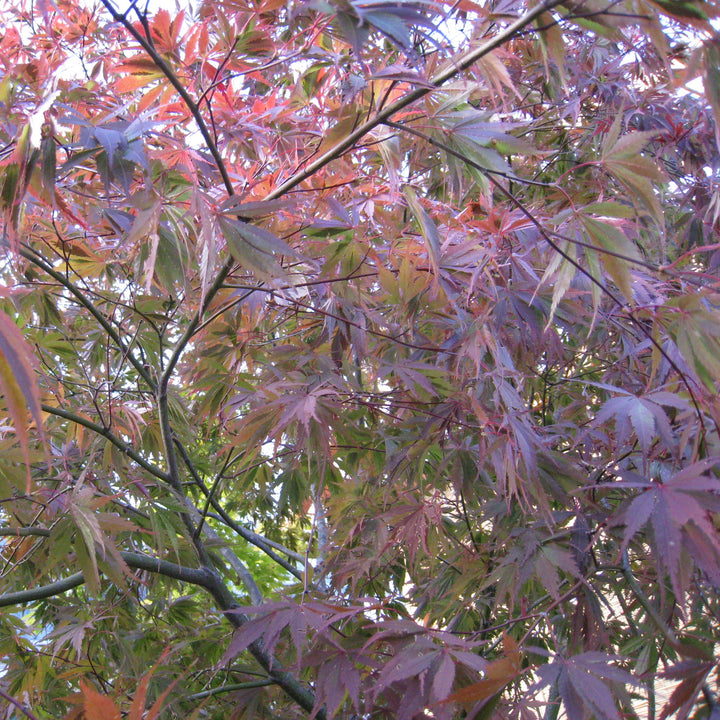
(251,537)
(35,258)
(230,688)
(18,705)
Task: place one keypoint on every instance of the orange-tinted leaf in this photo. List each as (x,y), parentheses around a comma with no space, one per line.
(96,705)
(133,82)
(138,65)
(498,674)
(137,708)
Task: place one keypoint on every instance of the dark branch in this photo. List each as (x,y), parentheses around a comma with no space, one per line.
(23,597)
(32,256)
(100,430)
(253,538)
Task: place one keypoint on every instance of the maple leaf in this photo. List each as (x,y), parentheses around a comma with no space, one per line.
(270,620)
(622,158)
(497,674)
(585,684)
(422,661)
(372,308)
(691,675)
(96,705)
(642,417)
(18,385)
(678,511)
(338,677)
(254,247)
(412,524)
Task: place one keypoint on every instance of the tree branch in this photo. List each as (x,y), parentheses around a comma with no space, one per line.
(104,432)
(203,577)
(195,576)
(24,532)
(292,687)
(22,597)
(18,705)
(161,389)
(252,537)
(230,688)
(233,560)
(231,557)
(30,255)
(139,561)
(440,78)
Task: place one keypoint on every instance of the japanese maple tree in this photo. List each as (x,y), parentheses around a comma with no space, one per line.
(359,359)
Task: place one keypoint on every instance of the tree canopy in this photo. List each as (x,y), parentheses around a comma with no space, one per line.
(359,359)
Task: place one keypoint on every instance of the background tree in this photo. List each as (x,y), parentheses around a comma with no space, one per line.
(386,334)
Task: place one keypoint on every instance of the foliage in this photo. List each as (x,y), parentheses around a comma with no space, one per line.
(360,359)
